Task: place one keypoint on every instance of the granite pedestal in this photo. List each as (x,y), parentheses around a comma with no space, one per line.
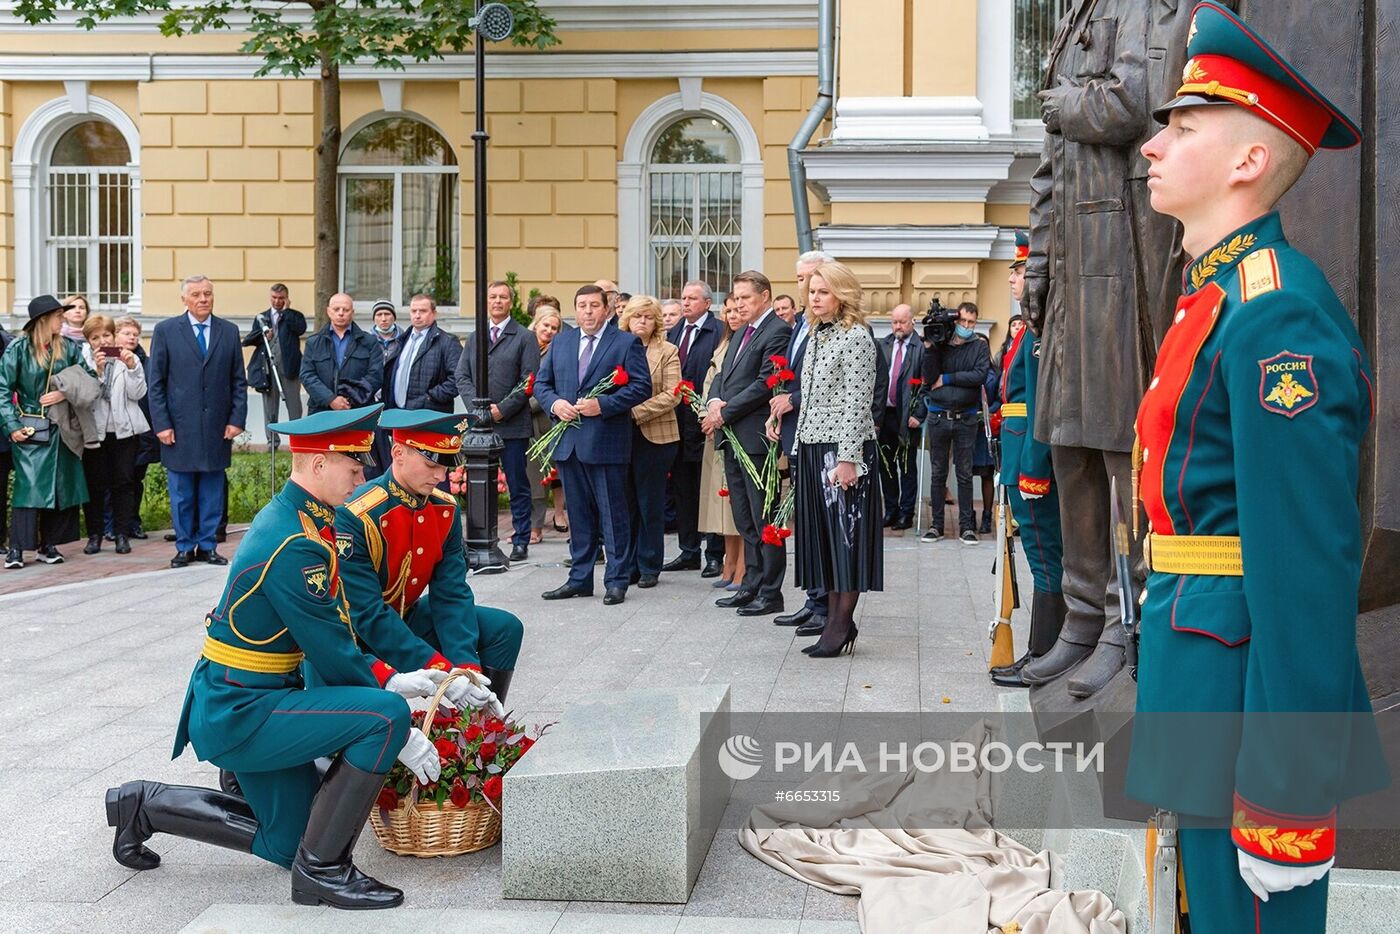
(620,801)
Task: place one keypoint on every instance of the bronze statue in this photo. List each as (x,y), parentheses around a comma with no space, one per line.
(1101,283)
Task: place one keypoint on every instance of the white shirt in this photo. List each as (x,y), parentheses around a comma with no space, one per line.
(196,324)
(415,339)
(894,349)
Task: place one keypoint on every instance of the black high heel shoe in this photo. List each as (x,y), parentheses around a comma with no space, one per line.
(848,647)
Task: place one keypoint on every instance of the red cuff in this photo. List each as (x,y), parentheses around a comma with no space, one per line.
(1034,485)
(382,672)
(1287,839)
(438,663)
(473,666)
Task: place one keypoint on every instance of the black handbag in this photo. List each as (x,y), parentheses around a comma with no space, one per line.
(39,428)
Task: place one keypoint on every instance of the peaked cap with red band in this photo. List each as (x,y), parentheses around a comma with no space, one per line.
(1023,249)
(347,431)
(435,435)
(1227,63)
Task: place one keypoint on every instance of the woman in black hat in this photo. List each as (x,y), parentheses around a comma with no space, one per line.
(49,483)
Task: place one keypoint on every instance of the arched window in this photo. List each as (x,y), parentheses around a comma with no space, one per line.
(399,215)
(88,217)
(694,206)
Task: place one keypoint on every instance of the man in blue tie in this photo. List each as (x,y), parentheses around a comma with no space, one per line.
(199,403)
(592,457)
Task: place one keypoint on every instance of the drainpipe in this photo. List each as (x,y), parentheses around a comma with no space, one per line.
(797,172)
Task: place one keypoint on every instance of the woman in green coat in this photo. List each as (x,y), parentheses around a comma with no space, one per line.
(49,483)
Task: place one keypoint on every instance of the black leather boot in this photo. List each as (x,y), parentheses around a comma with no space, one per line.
(1107,659)
(500,680)
(1063,656)
(323,873)
(93,546)
(139,809)
(1047,619)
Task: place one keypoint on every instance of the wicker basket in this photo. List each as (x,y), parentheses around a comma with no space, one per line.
(422,828)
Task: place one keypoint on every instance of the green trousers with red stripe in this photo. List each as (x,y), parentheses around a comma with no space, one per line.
(275,769)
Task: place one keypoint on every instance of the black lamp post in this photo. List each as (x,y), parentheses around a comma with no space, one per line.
(481,447)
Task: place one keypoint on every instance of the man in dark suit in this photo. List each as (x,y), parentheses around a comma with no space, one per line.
(420,368)
(897,425)
(739,398)
(697,335)
(593,458)
(199,404)
(513,355)
(281,327)
(343,366)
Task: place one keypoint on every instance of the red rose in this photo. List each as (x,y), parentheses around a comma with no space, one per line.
(388,799)
(494,725)
(446,748)
(488,751)
(530,385)
(492,788)
(779,361)
(620,377)
(473,733)
(459,794)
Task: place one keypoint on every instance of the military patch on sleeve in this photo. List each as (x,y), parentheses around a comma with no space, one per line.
(1287,384)
(317,578)
(344,544)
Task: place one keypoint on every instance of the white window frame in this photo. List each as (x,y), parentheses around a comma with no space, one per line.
(395,172)
(633,223)
(30,166)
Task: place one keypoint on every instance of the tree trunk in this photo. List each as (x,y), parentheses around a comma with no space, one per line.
(327,202)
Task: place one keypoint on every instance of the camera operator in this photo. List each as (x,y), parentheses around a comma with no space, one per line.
(956,363)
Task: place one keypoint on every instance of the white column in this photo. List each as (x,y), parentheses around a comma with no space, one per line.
(994,64)
(631,227)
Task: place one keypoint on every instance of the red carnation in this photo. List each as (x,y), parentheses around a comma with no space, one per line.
(684,388)
(784,532)
(786,375)
(772,381)
(916,381)
(771,536)
(492,788)
(388,799)
(530,385)
(723,491)
(488,752)
(779,361)
(446,748)
(620,377)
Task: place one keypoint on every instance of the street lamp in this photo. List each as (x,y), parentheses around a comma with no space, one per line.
(481,447)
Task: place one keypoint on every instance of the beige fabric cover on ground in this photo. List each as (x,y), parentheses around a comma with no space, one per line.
(943,880)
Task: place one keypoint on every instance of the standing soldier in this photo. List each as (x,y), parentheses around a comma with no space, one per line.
(399,539)
(1248,442)
(1030,487)
(247,709)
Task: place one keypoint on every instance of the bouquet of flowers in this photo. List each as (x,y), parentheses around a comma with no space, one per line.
(685,390)
(777,383)
(460,812)
(542,450)
(777,531)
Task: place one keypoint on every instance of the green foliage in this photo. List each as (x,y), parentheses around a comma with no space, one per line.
(249,488)
(517,310)
(292,38)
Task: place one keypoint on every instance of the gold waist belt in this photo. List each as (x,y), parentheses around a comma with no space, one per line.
(1194,554)
(268,663)
(1013,410)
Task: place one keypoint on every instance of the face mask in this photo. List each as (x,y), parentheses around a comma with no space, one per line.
(384,330)
(964,333)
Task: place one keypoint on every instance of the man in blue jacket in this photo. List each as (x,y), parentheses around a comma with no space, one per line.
(199,404)
(342,366)
(592,458)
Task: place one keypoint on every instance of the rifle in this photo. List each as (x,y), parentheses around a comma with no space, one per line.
(1122,565)
(1007,595)
(276,372)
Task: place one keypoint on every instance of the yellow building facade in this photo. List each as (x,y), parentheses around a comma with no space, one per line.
(649,147)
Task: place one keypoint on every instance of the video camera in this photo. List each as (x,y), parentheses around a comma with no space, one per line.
(939,326)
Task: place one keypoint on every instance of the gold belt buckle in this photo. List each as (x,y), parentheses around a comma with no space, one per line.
(1147,550)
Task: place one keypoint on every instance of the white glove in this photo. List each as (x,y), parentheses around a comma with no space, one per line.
(463,692)
(1264,878)
(421,757)
(410,684)
(1030,496)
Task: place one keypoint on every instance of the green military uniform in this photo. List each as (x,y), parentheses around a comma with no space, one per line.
(403,563)
(1249,438)
(47,476)
(247,709)
(1025,468)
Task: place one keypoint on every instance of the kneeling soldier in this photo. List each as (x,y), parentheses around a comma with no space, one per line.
(248,711)
(1250,436)
(404,566)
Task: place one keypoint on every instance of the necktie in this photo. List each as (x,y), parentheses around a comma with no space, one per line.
(203,342)
(894,373)
(685,342)
(585,358)
(744,341)
(495,334)
(405,365)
